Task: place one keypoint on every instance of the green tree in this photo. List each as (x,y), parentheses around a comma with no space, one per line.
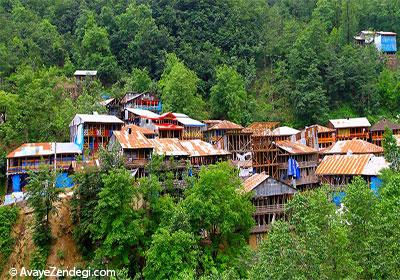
(138,81)
(115,223)
(228,96)
(42,195)
(178,87)
(391,150)
(219,211)
(172,255)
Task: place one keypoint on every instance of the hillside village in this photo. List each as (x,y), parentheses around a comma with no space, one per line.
(198,139)
(273,161)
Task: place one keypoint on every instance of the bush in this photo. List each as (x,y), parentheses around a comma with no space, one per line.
(8,217)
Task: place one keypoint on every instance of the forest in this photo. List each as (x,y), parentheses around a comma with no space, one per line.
(292,61)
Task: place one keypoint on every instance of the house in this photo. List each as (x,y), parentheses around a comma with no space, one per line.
(30,156)
(338,170)
(350,128)
(284,133)
(112,106)
(203,153)
(269,197)
(317,136)
(191,129)
(135,147)
(90,132)
(378,129)
(384,42)
(353,146)
(306,159)
(216,131)
(140,117)
(83,76)
(145,101)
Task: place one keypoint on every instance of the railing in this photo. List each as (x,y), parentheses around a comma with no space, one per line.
(264,209)
(136,163)
(326,140)
(36,167)
(302,164)
(353,135)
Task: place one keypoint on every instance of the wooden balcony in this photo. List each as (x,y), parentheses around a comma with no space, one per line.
(361,135)
(35,167)
(270,209)
(326,140)
(136,163)
(302,164)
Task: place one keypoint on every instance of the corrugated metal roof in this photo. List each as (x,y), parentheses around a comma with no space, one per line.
(95,118)
(382,124)
(106,102)
(295,148)
(168,126)
(284,131)
(343,164)
(375,166)
(355,146)
(321,128)
(199,148)
(130,96)
(85,73)
(168,147)
(131,138)
(225,125)
(143,130)
(143,113)
(387,33)
(262,128)
(350,122)
(254,180)
(43,149)
(186,121)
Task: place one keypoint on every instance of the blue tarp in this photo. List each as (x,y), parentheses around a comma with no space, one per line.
(388,43)
(16,183)
(375,185)
(338,197)
(293,168)
(63,181)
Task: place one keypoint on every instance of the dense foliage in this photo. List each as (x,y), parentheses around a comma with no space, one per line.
(292,61)
(143,227)
(8,217)
(321,242)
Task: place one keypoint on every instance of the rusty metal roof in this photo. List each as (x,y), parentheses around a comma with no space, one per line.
(168,147)
(355,146)
(199,148)
(225,125)
(132,138)
(254,180)
(382,124)
(321,128)
(350,122)
(143,130)
(262,128)
(295,148)
(343,164)
(44,149)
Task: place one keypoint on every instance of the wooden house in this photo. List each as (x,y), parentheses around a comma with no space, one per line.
(192,129)
(112,106)
(378,129)
(306,159)
(217,130)
(30,156)
(84,76)
(203,153)
(338,170)
(354,146)
(145,101)
(317,136)
(350,128)
(135,147)
(269,197)
(284,133)
(90,132)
